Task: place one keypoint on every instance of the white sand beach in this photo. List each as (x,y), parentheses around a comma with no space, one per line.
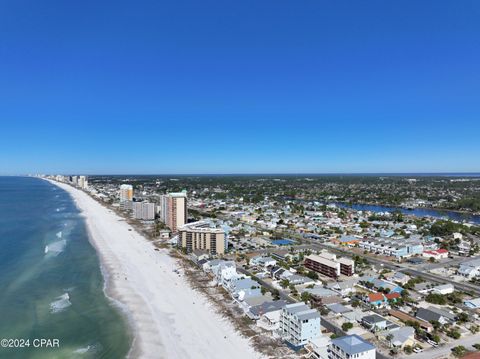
(168,318)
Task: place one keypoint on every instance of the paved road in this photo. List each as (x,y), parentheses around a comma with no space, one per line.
(445,350)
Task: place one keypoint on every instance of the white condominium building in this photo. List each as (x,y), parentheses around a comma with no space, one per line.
(143,210)
(82,182)
(299,324)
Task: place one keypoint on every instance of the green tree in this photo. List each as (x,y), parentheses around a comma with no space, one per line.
(347,326)
(305,297)
(459,351)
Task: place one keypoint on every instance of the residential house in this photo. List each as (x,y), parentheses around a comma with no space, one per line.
(375,323)
(404,317)
(470,269)
(322,296)
(263,261)
(400,278)
(400,337)
(434,314)
(344,288)
(376,299)
(351,346)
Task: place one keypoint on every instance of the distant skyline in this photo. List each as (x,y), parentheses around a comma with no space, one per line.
(217,87)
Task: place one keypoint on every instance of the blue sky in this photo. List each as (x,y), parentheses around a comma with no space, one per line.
(239,86)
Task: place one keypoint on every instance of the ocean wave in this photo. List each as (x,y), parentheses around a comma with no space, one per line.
(59,234)
(56,247)
(89,349)
(60,304)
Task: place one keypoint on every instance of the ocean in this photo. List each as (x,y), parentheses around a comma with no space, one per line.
(51,285)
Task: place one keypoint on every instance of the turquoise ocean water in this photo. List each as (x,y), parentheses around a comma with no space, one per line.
(51,285)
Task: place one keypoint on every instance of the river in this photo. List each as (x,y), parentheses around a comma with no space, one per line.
(419,212)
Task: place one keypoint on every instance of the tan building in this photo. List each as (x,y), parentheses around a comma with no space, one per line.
(202,235)
(329,265)
(173,210)
(126,192)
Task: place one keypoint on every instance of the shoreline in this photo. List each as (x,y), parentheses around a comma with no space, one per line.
(166,318)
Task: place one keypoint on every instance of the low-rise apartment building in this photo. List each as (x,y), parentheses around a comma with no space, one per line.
(393,248)
(329,265)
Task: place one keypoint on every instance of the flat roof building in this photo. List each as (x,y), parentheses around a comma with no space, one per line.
(299,324)
(202,235)
(143,210)
(173,210)
(327,264)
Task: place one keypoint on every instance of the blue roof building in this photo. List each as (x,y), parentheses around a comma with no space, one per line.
(351,346)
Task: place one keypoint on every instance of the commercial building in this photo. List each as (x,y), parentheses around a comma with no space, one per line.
(173,209)
(299,324)
(203,235)
(436,254)
(143,210)
(329,265)
(393,248)
(351,346)
(126,192)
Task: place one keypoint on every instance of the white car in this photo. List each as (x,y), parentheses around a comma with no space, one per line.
(417,350)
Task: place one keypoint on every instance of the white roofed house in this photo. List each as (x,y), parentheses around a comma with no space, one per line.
(400,278)
(226,272)
(263,261)
(345,287)
(470,269)
(241,287)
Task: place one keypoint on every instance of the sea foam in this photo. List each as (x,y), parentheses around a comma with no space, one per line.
(56,247)
(60,304)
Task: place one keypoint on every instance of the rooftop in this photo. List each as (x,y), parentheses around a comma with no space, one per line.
(353,344)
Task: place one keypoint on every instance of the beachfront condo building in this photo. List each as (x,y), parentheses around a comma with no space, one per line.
(202,235)
(299,324)
(329,265)
(173,210)
(82,182)
(126,192)
(143,210)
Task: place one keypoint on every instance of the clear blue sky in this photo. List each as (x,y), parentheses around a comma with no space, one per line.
(220,86)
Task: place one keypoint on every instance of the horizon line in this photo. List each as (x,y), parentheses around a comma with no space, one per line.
(264,174)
